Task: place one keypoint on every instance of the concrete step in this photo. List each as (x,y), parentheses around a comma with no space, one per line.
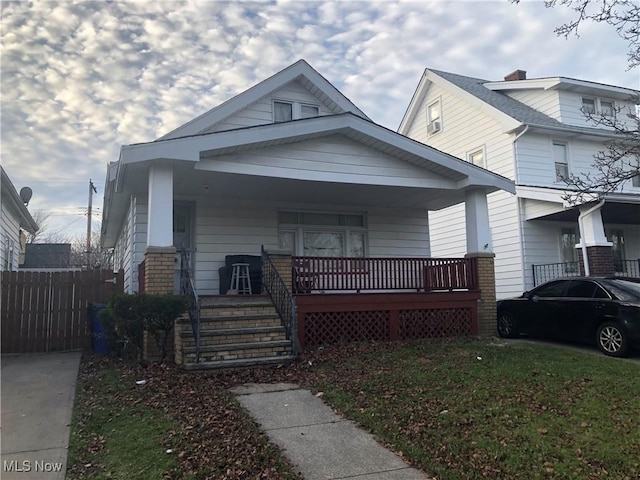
(241,363)
(236,351)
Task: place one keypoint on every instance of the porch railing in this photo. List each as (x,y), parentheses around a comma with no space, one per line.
(358,274)
(627,268)
(281,297)
(187,288)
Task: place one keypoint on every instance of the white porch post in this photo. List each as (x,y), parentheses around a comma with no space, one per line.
(160,219)
(477,222)
(597,251)
(480,247)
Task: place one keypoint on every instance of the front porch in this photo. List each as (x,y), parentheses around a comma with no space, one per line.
(310,301)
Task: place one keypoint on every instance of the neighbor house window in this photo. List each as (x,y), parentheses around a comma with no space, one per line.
(322,234)
(606,108)
(434,121)
(560,161)
(282,111)
(568,251)
(477,157)
(589,105)
(635,181)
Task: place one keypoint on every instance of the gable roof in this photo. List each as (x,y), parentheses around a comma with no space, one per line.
(486,96)
(301,70)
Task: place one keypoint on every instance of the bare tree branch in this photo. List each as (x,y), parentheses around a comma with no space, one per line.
(615,167)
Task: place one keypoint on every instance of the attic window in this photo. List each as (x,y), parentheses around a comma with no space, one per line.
(477,157)
(286,111)
(282,111)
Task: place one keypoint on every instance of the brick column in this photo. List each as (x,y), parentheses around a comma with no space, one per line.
(159,270)
(600,261)
(487,283)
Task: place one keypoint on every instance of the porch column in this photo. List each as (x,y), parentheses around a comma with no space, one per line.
(480,247)
(159,258)
(597,251)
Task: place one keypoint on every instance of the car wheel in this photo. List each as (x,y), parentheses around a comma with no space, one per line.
(612,340)
(506,325)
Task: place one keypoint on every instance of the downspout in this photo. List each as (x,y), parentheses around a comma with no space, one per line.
(519,207)
(581,217)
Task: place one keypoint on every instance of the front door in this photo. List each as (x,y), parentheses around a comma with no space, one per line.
(182,238)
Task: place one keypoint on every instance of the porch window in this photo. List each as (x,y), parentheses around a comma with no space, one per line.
(568,251)
(316,234)
(560,161)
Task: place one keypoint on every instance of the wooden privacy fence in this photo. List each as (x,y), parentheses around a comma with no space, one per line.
(49,311)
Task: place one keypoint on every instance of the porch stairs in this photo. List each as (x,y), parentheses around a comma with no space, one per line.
(235,332)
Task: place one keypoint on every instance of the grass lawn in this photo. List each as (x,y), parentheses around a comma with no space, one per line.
(460,409)
(475,409)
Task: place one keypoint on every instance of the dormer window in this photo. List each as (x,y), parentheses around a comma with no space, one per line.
(287,111)
(593,106)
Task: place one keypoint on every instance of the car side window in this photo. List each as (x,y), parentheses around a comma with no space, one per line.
(553,289)
(600,292)
(581,289)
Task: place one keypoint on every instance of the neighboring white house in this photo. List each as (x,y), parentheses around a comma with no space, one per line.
(534,132)
(15,219)
(293,165)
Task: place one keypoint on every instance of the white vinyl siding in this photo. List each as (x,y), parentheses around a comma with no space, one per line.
(261,112)
(131,243)
(9,240)
(321,159)
(545,101)
(478,127)
(225,227)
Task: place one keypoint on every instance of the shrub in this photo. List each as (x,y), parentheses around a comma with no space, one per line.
(127,317)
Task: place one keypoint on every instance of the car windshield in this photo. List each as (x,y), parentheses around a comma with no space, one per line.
(624,289)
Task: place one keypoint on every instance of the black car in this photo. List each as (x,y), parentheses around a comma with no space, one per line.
(584,309)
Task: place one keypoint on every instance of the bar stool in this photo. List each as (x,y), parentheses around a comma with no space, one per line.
(240,279)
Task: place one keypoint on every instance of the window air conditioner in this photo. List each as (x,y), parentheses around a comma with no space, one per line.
(433,127)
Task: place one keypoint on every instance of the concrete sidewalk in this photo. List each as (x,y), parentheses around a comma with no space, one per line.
(37,402)
(318,442)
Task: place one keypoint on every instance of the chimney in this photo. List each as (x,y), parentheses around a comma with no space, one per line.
(516,75)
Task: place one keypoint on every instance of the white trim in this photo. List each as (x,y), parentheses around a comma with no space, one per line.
(481,149)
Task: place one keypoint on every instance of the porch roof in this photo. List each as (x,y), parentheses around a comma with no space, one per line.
(434,180)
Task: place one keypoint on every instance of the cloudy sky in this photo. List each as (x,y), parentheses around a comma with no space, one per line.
(78,80)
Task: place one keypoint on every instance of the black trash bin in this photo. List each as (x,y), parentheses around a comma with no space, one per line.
(98,336)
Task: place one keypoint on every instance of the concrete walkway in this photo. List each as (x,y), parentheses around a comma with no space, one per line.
(37,402)
(318,442)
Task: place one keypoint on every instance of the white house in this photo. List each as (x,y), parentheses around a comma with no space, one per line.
(534,132)
(15,220)
(290,164)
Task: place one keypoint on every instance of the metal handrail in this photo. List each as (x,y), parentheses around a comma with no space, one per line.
(281,298)
(188,289)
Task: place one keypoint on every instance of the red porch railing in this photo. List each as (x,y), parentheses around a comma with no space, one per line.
(358,274)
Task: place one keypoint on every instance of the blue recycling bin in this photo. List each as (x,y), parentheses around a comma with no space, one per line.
(98,336)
